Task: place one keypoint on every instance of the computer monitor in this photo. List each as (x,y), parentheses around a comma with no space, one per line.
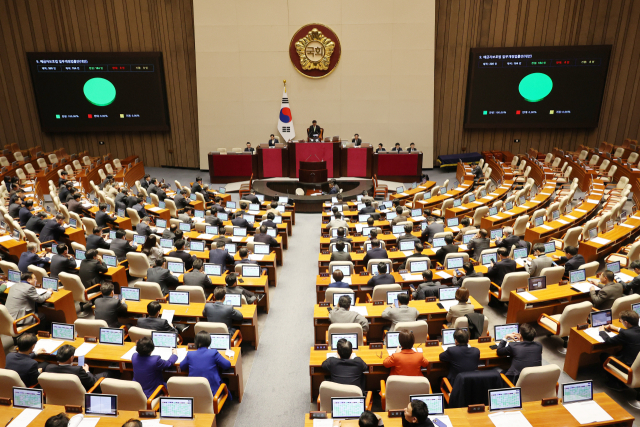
(346,269)
(112,336)
(266,250)
(576,276)
(636,308)
(231,248)
(63,331)
(249,218)
(161,223)
(284,199)
(130,294)
(54,248)
(73,223)
(175,267)
(447,336)
(578,391)
(555,214)
(347,408)
(164,339)
(178,297)
(272,232)
(505,398)
(434,402)
(471,199)
(176,408)
(220,341)
(397,229)
(600,318)
(614,267)
(234,300)
(521,200)
(438,242)
(453,222)
(537,283)
(198,214)
(351,337)
(447,294)
(508,206)
(254,206)
(549,247)
(197,246)
(334,232)
(139,239)
(363,217)
(374,267)
(260,197)
(416,212)
(538,221)
(184,226)
(103,405)
(593,233)
(407,245)
(192,197)
(520,253)
(166,243)
(222,190)
(231,205)
(360,206)
(212,269)
(387,204)
(223,216)
(496,234)
(493,210)
(212,229)
(391,215)
(400,189)
(466,238)
(336,298)
(49,283)
(250,270)
(339,207)
(609,226)
(110,260)
(393,339)
(392,296)
(149,200)
(27,398)
(501,331)
(14,276)
(80,254)
(487,258)
(121,213)
(418,266)
(457,203)
(454,262)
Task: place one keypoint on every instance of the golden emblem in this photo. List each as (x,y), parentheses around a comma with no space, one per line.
(315,50)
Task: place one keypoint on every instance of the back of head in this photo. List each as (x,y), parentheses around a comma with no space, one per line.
(230,280)
(406,339)
(629,316)
(527,331)
(419,410)
(132,423)
(60,420)
(399,210)
(159,262)
(538,247)
(427,275)
(609,275)
(62,248)
(403,299)
(368,419)
(465,222)
(202,339)
(65,353)
(338,275)
(120,234)
(468,268)
(462,294)
(461,336)
(571,250)
(408,228)
(153,308)
(106,289)
(219,293)
(145,346)
(341,232)
(91,254)
(419,247)
(344,348)
(197,264)
(375,243)
(344,302)
(340,246)
(26,341)
(448,239)
(483,233)
(243,252)
(179,244)
(503,252)
(382,267)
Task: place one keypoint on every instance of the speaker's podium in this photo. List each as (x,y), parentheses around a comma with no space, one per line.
(313,172)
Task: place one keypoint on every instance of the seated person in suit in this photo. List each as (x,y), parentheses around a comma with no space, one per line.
(181,200)
(30,257)
(432,229)
(479,243)
(273,209)
(356,140)
(153,321)
(412,148)
(232,288)
(340,254)
(465,223)
(53,230)
(243,253)
(448,248)
(92,269)
(160,275)
(62,262)
(219,313)
(376,252)
(272,141)
(314,131)
(609,290)
(509,239)
(148,369)
(397,148)
(23,361)
(249,148)
(380,148)
(572,259)
(263,237)
(36,223)
(461,357)
(428,288)
(96,241)
(220,255)
(143,227)
(541,261)
(338,275)
(75,205)
(153,186)
(400,216)
(25,213)
(187,258)
(341,236)
(65,358)
(345,370)
(196,277)
(170,233)
(252,196)
(109,308)
(499,269)
(333,187)
(382,278)
(337,222)
(103,219)
(408,229)
(461,309)
(628,338)
(341,314)
(524,351)
(633,287)
(239,221)
(469,271)
(269,223)
(405,361)
(367,208)
(162,192)
(415,414)
(205,362)
(402,313)
(210,217)
(120,246)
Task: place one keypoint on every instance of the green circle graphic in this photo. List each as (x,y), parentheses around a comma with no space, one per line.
(99,91)
(535,87)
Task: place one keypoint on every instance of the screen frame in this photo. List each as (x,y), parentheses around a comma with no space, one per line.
(496,390)
(175,418)
(577,382)
(27,389)
(86,406)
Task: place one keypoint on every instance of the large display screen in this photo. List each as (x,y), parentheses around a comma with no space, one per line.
(536,87)
(97,92)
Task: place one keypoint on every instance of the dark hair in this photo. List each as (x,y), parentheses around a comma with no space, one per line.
(419,410)
(403,299)
(461,336)
(106,288)
(406,339)
(462,294)
(28,203)
(243,205)
(120,234)
(263,229)
(468,268)
(399,210)
(538,247)
(148,244)
(97,230)
(344,348)
(60,420)
(102,206)
(197,264)
(340,246)
(202,339)
(230,279)
(145,346)
(338,215)
(609,275)
(65,353)
(628,316)
(382,267)
(179,244)
(76,196)
(338,275)
(91,253)
(219,293)
(132,422)
(367,203)
(368,419)
(427,275)
(153,308)
(271,215)
(465,221)
(483,232)
(159,261)
(62,248)
(370,220)
(373,233)
(419,247)
(503,252)
(375,243)
(26,341)
(448,239)
(243,252)
(635,264)
(408,228)
(571,250)
(344,302)
(527,331)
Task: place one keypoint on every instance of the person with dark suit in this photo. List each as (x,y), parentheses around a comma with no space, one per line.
(333,188)
(609,290)
(96,241)
(153,186)
(232,288)
(53,229)
(499,269)
(121,198)
(572,259)
(243,253)
(356,140)
(345,370)
(92,269)
(153,321)
(269,221)
(314,131)
(469,272)
(382,278)
(65,358)
(30,257)
(416,414)
(181,200)
(147,369)
(448,248)
(217,205)
(120,246)
(272,141)
(109,308)
(139,207)
(338,275)
(367,208)
(509,239)
(14,209)
(132,201)
(196,277)
(428,288)
(63,192)
(340,254)
(62,262)
(431,229)
(162,192)
(465,226)
(197,184)
(220,255)
(380,149)
(143,228)
(263,237)
(210,218)
(25,213)
(23,361)
(103,219)
(160,275)
(376,252)
(461,357)
(187,258)
(397,148)
(205,362)
(412,148)
(479,243)
(249,148)
(408,229)
(170,232)
(239,221)
(145,181)
(36,223)
(75,205)
(251,196)
(220,313)
(633,287)
(524,352)
(628,338)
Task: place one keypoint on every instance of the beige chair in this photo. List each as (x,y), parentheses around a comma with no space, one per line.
(520,226)
(478,288)
(4,162)
(204,401)
(89,224)
(511,282)
(553,274)
(537,382)
(571,238)
(420,329)
(629,375)
(380,291)
(196,293)
(219,328)
(149,290)
(89,327)
(138,264)
(42,163)
(77,166)
(173,211)
(413,260)
(479,213)
(86,160)
(72,282)
(10,379)
(10,327)
(591,268)
(594,160)
(463,322)
(77,246)
(328,295)
(378,261)
(329,389)
(131,397)
(464,255)
(346,328)
(133,215)
(623,303)
(446,204)
(561,324)
(109,168)
(396,390)
(39,272)
(53,159)
(8,265)
(136,333)
(103,252)
(633,157)
(64,389)
(102,175)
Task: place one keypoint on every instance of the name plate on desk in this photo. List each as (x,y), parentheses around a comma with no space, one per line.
(324,304)
(359,251)
(484,339)
(324,274)
(5,401)
(431,343)
(317,415)
(376,346)
(549,401)
(191,346)
(378,302)
(326,236)
(44,334)
(161,300)
(402,271)
(395,413)
(320,347)
(430,299)
(90,339)
(364,273)
(582,327)
(476,408)
(147,414)
(325,252)
(73,409)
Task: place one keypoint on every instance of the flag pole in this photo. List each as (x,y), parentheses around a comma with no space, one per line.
(285,86)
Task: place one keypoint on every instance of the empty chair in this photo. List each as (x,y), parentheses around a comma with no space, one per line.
(537,382)
(133,215)
(76,165)
(63,389)
(89,327)
(618,153)
(131,397)
(479,213)
(571,238)
(553,274)
(478,289)
(204,402)
(149,290)
(511,282)
(220,328)
(53,159)
(629,375)
(347,328)
(138,264)
(380,291)
(102,175)
(72,282)
(590,268)
(329,389)
(10,327)
(520,226)
(10,379)
(396,390)
(109,168)
(18,156)
(623,303)
(196,293)
(594,160)
(561,324)
(117,164)
(633,157)
(137,334)
(42,163)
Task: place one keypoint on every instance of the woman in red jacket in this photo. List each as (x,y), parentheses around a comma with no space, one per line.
(406,361)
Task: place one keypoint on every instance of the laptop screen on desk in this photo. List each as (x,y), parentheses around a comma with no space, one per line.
(393,339)
(493,210)
(27,398)
(254,206)
(250,271)
(212,269)
(446,294)
(198,214)
(600,318)
(73,223)
(418,266)
(166,243)
(576,276)
(397,229)
(452,222)
(161,223)
(233,300)
(165,339)
(508,206)
(447,336)
(176,408)
(178,297)
(549,247)
(63,331)
(438,242)
(505,398)
(352,338)
(48,283)
(500,331)
(250,218)
(593,233)
(416,212)
(346,269)
(112,336)
(80,255)
(336,298)
(393,295)
(391,215)
(496,234)
(467,238)
(14,276)
(636,308)
(407,245)
(272,232)
(614,267)
(231,205)
(519,253)
(183,226)
(197,246)
(265,250)
(139,239)
(363,217)
(110,260)
(220,341)
(101,404)
(577,391)
(121,213)
(212,229)
(487,258)
(537,283)
(455,262)
(457,203)
(130,294)
(231,248)
(176,267)
(347,407)
(434,402)
(555,214)
(223,216)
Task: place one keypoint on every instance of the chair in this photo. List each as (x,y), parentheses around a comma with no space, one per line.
(612,170)
(137,334)
(89,327)
(39,272)
(623,303)
(420,329)
(18,156)
(72,282)
(204,401)
(8,265)
(42,163)
(571,238)
(511,282)
(379,190)
(561,324)
(131,397)
(479,213)
(328,294)
(463,322)
(10,327)
(537,382)
(329,389)
(478,288)
(446,204)
(633,157)
(379,292)
(8,380)
(64,389)
(299,192)
(133,215)
(196,293)
(109,168)
(219,328)
(591,268)
(618,153)
(173,211)
(594,160)
(396,390)
(629,375)
(89,224)
(76,165)
(102,252)
(553,274)
(149,290)
(138,264)
(347,328)
(633,253)
(520,226)
(53,159)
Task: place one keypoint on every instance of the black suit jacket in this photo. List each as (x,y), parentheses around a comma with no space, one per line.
(144,184)
(86,378)
(220,257)
(249,149)
(375,253)
(314,130)
(381,279)
(104,220)
(51,231)
(356,141)
(62,264)
(461,358)
(346,371)
(36,225)
(220,313)
(252,198)
(25,215)
(185,257)
(143,229)
(366,210)
(477,246)
(570,264)
(523,355)
(155,324)
(121,248)
(265,238)
(91,271)
(96,242)
(431,231)
(629,339)
(180,201)
(25,366)
(163,277)
(497,272)
(108,309)
(197,278)
(444,250)
(272,142)
(241,222)
(508,242)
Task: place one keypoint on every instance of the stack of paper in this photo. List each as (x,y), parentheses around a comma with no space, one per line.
(411,277)
(573,218)
(418,218)
(527,296)
(582,286)
(588,412)
(595,202)
(595,334)
(254,257)
(443,419)
(84,349)
(562,221)
(455,229)
(463,247)
(205,236)
(458,189)
(407,253)
(442,275)
(236,239)
(168,315)
(600,240)
(546,227)
(362,310)
(448,303)
(509,419)
(25,418)
(628,225)
(129,354)
(48,345)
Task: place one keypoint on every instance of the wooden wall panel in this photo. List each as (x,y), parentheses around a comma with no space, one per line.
(101,26)
(461,25)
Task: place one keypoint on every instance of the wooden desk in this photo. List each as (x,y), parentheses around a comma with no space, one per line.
(63,310)
(123,223)
(583,350)
(619,236)
(407,196)
(159,213)
(13,249)
(468,208)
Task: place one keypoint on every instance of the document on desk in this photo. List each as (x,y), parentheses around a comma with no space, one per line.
(411,277)
(90,421)
(25,417)
(572,218)
(623,277)
(527,296)
(580,210)
(444,419)
(359,228)
(588,412)
(41,291)
(562,221)
(520,262)
(582,286)
(455,229)
(509,419)
(129,354)
(418,218)
(442,275)
(4,239)
(407,253)
(463,247)
(205,236)
(323,423)
(163,352)
(495,217)
(168,315)
(476,203)
(249,239)
(236,239)
(254,257)
(600,240)
(458,189)
(595,202)
(84,349)
(48,345)
(449,303)
(595,334)
(182,353)
(154,209)
(546,227)
(362,310)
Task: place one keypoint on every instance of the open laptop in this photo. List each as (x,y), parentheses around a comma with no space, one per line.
(80,256)
(600,318)
(447,297)
(487,258)
(538,221)
(392,340)
(176,408)
(223,216)
(447,337)
(234,300)
(139,239)
(347,408)
(63,331)
(250,271)
(112,336)
(352,338)
(366,231)
(198,214)
(493,210)
(220,341)
(230,205)
(231,248)
(454,262)
(176,268)
(407,245)
(537,283)
(110,260)
(212,269)
(466,238)
(397,229)
(73,223)
(166,245)
(549,247)
(165,339)
(555,215)
(636,308)
(496,234)
(27,398)
(457,203)
(578,280)
(102,405)
(363,217)
(212,230)
(49,283)
(418,266)
(453,222)
(438,243)
(130,294)
(434,402)
(346,271)
(161,223)
(266,250)
(501,331)
(196,246)
(337,295)
(178,297)
(392,296)
(593,233)
(184,227)
(579,391)
(504,399)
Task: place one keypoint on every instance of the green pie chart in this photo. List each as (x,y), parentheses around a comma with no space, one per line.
(535,87)
(99,91)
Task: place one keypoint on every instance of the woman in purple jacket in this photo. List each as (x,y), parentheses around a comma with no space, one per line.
(205,362)
(147,369)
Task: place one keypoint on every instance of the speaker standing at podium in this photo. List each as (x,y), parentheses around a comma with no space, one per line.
(273,141)
(356,140)
(314,131)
